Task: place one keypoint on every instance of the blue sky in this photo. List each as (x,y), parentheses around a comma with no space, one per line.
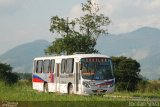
(23,21)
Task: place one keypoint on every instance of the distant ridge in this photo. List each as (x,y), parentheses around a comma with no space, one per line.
(142,44)
(147,29)
(21,56)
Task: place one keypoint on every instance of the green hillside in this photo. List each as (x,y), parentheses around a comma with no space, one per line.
(21,57)
(142,44)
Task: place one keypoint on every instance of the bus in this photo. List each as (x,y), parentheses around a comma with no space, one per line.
(82,74)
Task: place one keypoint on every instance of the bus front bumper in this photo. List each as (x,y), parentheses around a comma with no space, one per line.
(88,91)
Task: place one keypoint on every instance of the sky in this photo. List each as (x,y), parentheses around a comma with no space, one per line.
(23,21)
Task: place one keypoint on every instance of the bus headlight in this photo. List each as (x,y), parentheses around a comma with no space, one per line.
(86,84)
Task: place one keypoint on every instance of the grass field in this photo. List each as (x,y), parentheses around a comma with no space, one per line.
(25,96)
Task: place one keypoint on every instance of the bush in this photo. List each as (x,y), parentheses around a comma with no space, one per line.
(142,85)
(148,86)
(11,78)
(153,86)
(25,76)
(127,73)
(6,74)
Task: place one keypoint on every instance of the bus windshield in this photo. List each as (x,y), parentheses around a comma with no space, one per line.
(96,68)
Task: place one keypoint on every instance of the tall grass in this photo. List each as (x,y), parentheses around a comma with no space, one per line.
(149,86)
(23,93)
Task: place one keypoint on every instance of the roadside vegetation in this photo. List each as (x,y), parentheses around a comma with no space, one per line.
(23,93)
(20,89)
(6,74)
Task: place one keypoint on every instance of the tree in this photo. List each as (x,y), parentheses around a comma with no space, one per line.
(91,25)
(71,44)
(6,74)
(126,72)
(61,26)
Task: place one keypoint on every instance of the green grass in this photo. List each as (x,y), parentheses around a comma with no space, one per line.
(24,94)
(126,94)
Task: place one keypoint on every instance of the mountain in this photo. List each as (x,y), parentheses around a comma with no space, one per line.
(142,44)
(21,57)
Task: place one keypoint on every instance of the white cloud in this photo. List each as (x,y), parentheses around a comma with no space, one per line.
(153,4)
(6,2)
(27,20)
(127,15)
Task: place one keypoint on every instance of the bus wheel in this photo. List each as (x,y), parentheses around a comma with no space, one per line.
(45,87)
(70,89)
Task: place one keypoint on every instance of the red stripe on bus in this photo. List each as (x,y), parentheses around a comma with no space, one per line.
(37,80)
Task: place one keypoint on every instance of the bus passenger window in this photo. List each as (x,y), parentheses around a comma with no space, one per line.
(46,66)
(70,65)
(63,66)
(39,66)
(35,67)
(52,66)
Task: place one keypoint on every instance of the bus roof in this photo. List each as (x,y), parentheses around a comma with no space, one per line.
(72,56)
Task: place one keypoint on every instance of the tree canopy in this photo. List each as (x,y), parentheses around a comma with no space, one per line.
(89,26)
(126,72)
(71,44)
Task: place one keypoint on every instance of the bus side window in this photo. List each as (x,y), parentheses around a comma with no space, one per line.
(52,66)
(46,64)
(70,65)
(63,66)
(39,68)
(35,67)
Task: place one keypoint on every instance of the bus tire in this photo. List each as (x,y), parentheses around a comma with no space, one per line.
(70,88)
(45,87)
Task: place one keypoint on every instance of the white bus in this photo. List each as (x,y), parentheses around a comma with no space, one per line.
(74,74)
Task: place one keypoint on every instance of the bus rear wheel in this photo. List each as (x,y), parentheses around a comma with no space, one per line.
(45,87)
(70,89)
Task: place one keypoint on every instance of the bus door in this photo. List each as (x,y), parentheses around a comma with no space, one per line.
(77,77)
(57,77)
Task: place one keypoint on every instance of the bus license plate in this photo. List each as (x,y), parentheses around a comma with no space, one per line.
(99,90)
